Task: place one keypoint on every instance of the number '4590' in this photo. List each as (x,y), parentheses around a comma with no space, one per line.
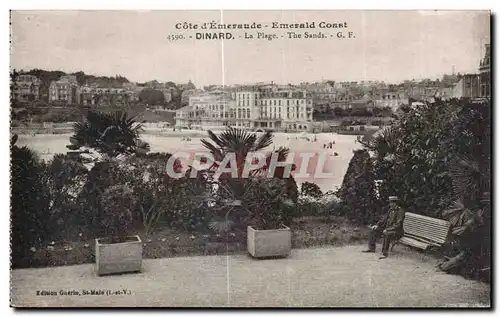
(175,37)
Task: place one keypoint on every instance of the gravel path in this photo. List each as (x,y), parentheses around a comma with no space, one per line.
(324,277)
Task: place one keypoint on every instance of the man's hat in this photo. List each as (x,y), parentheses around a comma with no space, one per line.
(393,198)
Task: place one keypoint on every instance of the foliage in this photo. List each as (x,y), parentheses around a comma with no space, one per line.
(109,134)
(90,212)
(162,198)
(152,97)
(29,201)
(311,189)
(117,202)
(240,143)
(325,205)
(438,155)
(414,156)
(269,204)
(358,190)
(64,179)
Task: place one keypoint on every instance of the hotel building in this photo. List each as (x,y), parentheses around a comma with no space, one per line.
(256,108)
(64,90)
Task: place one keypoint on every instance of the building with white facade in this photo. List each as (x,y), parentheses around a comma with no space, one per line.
(64,90)
(469,86)
(392,100)
(249,107)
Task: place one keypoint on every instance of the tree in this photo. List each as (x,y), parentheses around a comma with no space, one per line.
(64,178)
(240,143)
(109,134)
(339,112)
(152,97)
(237,142)
(438,155)
(358,191)
(29,203)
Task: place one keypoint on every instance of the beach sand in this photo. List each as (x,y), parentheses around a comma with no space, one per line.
(166,140)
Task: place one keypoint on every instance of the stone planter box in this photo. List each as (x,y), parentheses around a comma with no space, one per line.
(114,258)
(269,243)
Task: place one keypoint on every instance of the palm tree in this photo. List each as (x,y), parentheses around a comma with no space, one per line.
(470,215)
(109,134)
(240,143)
(383,144)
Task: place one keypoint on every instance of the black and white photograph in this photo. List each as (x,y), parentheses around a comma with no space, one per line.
(250,158)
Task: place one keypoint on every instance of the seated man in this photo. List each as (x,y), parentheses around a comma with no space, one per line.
(390,226)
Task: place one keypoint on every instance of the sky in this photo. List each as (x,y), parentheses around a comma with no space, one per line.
(388,45)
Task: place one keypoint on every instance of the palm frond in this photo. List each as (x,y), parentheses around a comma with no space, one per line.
(214,150)
(465,176)
(263,141)
(215,138)
(13,140)
(221,226)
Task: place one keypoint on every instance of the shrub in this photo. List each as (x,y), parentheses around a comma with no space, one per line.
(163,199)
(310,189)
(358,191)
(323,206)
(29,203)
(89,201)
(117,202)
(269,204)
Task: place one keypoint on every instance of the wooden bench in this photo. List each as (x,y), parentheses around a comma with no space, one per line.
(423,232)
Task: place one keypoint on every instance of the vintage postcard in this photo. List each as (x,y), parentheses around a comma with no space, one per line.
(268,158)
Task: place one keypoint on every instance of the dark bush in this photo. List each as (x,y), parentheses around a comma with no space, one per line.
(310,189)
(29,203)
(358,192)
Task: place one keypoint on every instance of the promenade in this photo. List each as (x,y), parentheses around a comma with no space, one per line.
(322,277)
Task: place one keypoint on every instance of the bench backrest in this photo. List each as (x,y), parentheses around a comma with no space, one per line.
(432,229)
